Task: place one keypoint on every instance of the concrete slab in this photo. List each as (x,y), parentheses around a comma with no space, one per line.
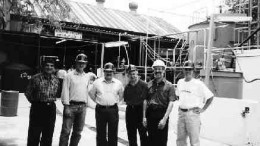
(14,129)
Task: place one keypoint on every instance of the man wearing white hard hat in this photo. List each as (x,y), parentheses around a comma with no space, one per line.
(74,97)
(194,99)
(158,106)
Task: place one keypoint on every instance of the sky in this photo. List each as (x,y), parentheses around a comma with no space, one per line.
(179,13)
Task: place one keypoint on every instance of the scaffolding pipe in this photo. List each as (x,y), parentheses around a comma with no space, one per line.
(248,38)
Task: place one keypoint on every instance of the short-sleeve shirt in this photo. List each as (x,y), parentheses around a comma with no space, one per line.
(135,94)
(106,93)
(161,93)
(193,93)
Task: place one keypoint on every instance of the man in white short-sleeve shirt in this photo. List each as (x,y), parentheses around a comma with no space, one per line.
(194,98)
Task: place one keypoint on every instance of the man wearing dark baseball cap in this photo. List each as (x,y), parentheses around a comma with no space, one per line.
(134,94)
(107,92)
(194,99)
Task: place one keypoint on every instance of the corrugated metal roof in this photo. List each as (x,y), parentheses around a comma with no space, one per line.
(110,18)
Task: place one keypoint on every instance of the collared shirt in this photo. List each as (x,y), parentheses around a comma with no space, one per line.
(106,93)
(135,94)
(193,93)
(75,87)
(43,88)
(161,93)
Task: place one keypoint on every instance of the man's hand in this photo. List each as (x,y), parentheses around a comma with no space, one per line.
(198,110)
(162,124)
(145,122)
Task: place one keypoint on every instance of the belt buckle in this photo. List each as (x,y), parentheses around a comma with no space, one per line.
(48,103)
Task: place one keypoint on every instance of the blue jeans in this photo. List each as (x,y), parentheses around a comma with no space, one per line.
(72,115)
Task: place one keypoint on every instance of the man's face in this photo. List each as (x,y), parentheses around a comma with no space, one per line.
(81,66)
(188,72)
(108,75)
(158,72)
(133,75)
(49,68)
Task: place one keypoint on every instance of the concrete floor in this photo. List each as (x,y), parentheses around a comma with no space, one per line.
(13,130)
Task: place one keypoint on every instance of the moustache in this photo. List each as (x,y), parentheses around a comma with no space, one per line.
(157,72)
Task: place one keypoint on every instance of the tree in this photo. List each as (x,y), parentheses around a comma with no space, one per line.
(237,6)
(53,10)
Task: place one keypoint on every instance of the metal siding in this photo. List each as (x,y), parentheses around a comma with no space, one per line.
(84,20)
(110,18)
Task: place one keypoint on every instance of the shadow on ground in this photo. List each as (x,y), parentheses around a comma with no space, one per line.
(8,142)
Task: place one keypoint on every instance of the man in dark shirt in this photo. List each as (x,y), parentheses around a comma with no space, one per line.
(134,94)
(41,92)
(158,106)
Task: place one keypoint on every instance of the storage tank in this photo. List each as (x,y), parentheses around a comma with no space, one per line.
(223,38)
(15,77)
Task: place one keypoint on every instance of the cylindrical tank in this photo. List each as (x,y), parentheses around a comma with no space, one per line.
(16,77)
(198,40)
(9,103)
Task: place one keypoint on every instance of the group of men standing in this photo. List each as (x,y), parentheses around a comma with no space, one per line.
(148,105)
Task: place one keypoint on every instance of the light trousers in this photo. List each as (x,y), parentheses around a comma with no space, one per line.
(189,125)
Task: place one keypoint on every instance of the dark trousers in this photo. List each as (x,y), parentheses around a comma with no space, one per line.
(156,137)
(41,124)
(73,115)
(134,118)
(107,118)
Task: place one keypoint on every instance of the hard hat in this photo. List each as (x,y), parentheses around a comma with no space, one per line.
(61,74)
(81,58)
(109,67)
(188,64)
(131,68)
(158,63)
(49,59)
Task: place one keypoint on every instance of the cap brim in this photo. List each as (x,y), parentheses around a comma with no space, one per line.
(82,61)
(187,67)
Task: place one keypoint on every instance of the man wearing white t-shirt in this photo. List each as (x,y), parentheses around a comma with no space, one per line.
(194,98)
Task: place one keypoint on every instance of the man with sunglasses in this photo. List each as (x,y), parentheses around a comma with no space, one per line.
(134,94)
(158,106)
(107,92)
(194,99)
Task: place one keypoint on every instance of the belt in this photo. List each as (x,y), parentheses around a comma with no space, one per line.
(44,103)
(156,106)
(106,106)
(135,106)
(187,109)
(77,102)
